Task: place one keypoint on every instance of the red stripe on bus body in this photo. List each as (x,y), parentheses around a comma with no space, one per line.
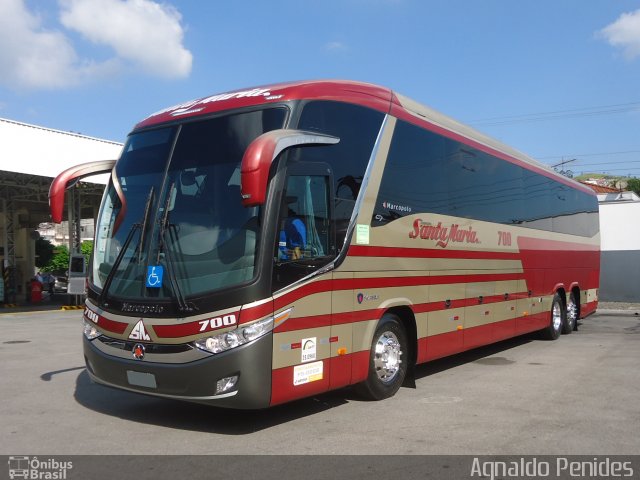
(249,314)
(323,286)
(385,282)
(316,321)
(112,325)
(362,251)
(337,372)
(105,323)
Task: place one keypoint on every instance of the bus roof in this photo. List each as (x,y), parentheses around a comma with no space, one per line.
(366,94)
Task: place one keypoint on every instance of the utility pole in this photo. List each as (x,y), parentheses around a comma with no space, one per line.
(561,170)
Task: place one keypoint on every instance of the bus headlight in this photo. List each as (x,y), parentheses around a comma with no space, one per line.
(240,336)
(90,331)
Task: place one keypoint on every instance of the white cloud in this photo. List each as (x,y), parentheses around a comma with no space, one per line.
(33,57)
(142,32)
(625,33)
(334,47)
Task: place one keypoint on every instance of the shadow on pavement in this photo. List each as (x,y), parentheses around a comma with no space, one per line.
(196,417)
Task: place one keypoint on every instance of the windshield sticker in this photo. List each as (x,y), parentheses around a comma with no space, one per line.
(154,276)
(362,234)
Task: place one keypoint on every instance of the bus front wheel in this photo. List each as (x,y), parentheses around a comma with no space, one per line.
(387,359)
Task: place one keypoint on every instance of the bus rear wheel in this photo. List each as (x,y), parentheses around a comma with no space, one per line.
(571,319)
(387,360)
(558,319)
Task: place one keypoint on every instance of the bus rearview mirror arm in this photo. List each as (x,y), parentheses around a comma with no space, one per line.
(260,154)
(68,179)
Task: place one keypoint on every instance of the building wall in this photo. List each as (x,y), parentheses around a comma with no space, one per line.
(620,243)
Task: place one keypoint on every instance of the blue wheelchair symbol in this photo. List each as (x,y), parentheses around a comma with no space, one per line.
(154,276)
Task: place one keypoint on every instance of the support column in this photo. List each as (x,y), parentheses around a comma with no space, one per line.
(9,246)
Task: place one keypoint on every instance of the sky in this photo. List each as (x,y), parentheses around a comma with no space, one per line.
(557,79)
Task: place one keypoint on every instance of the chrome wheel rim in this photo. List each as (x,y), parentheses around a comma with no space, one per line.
(556,315)
(572,313)
(387,357)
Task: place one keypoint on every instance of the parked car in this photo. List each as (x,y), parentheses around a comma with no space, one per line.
(61,281)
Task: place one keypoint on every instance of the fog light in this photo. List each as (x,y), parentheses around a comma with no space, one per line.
(90,331)
(225,384)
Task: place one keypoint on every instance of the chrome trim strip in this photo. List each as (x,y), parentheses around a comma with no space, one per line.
(363,187)
(354,216)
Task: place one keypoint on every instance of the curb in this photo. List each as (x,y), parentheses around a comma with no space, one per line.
(72,307)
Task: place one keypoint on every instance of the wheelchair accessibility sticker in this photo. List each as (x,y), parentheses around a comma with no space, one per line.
(154,276)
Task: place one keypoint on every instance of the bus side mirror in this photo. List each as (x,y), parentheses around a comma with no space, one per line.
(68,179)
(260,154)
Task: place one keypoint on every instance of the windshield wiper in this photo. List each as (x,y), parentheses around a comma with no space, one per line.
(166,229)
(147,207)
(125,245)
(116,264)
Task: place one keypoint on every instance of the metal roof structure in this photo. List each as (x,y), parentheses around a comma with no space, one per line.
(30,157)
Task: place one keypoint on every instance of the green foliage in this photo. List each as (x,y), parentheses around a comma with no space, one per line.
(633,184)
(86,249)
(59,261)
(44,252)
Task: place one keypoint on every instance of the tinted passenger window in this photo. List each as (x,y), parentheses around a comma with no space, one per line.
(358,129)
(429,173)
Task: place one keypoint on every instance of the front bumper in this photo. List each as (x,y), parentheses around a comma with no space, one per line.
(193,381)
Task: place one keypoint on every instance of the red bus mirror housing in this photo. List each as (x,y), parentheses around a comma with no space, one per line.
(68,179)
(260,154)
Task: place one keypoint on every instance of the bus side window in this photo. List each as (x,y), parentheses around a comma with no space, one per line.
(304,239)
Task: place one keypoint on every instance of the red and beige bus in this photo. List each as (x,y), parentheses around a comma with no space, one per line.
(268,244)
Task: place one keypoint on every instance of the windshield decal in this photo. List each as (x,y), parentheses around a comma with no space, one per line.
(154,276)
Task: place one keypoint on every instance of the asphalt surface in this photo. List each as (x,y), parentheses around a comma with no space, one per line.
(577,395)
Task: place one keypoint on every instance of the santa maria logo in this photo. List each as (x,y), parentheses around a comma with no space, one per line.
(443,235)
(139,332)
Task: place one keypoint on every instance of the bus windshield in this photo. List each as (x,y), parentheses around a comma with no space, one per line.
(174,202)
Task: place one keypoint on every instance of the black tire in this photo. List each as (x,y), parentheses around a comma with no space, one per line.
(391,339)
(571,317)
(558,318)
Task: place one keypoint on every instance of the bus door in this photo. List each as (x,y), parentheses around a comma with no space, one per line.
(305,243)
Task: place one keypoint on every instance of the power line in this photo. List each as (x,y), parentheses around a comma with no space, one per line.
(628,170)
(604,163)
(559,114)
(590,154)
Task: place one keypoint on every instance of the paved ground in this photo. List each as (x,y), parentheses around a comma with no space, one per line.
(578,395)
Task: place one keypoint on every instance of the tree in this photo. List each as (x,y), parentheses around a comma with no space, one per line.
(633,184)
(85,248)
(59,261)
(60,258)
(44,252)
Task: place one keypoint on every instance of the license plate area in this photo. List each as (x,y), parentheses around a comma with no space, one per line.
(141,379)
